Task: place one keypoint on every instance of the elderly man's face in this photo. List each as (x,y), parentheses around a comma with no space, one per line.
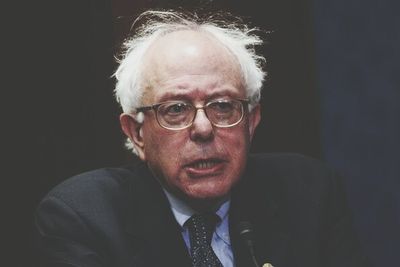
(202,162)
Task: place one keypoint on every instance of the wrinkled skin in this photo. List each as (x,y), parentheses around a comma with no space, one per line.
(199,164)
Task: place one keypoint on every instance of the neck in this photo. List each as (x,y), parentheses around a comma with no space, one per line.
(205,205)
(195,205)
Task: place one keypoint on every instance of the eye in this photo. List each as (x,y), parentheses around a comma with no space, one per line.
(222,106)
(176,108)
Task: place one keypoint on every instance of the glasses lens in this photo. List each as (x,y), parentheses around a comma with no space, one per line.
(175,114)
(225,112)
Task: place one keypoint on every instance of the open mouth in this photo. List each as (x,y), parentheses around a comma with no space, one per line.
(205,167)
(204,164)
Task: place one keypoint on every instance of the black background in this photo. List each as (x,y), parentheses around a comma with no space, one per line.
(63,118)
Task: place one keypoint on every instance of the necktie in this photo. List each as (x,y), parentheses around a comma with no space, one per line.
(201,228)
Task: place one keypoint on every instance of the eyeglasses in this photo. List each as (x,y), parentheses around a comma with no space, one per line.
(178,115)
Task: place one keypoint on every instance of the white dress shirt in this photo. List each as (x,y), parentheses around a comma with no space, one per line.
(220,242)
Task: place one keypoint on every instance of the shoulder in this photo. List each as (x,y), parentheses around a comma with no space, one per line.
(285,162)
(92,184)
(84,199)
(104,189)
(303,187)
(305,200)
(86,213)
(98,199)
(293,175)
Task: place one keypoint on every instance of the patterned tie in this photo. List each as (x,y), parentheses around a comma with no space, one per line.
(201,228)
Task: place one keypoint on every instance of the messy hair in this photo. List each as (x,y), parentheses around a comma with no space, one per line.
(235,36)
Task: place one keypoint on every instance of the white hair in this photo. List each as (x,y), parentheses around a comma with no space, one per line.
(237,38)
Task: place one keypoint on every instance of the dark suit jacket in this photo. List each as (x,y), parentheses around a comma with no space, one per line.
(121,217)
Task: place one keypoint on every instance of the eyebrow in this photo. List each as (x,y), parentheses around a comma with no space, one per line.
(187,97)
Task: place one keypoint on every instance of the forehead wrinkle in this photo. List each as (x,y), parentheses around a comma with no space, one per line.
(166,60)
(198,94)
(193,49)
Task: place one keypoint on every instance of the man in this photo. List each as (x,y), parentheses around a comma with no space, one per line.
(189,91)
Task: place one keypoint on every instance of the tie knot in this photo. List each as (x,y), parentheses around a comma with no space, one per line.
(203,225)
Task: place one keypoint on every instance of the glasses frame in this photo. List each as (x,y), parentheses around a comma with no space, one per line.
(244,106)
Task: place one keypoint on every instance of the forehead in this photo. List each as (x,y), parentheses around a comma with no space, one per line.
(190,62)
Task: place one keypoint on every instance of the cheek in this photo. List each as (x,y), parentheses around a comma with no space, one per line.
(158,140)
(236,144)
(235,141)
(161,150)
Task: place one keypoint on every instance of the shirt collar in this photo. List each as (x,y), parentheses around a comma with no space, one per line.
(222,230)
(183,212)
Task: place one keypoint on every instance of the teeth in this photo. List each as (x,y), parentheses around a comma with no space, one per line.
(204,164)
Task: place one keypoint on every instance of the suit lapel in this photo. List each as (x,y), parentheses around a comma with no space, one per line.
(259,205)
(151,222)
(152,225)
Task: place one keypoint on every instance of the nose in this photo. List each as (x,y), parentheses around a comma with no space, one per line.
(201,129)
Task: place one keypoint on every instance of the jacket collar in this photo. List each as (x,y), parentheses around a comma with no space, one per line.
(151,221)
(256,200)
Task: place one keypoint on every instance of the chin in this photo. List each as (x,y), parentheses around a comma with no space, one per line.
(208,193)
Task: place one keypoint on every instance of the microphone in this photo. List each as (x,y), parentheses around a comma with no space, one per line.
(246,232)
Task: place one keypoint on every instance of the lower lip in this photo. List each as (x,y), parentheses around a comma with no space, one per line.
(205,172)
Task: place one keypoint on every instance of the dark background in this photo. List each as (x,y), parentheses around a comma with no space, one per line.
(332,93)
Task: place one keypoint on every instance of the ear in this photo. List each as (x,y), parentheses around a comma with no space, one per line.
(254,119)
(133,130)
